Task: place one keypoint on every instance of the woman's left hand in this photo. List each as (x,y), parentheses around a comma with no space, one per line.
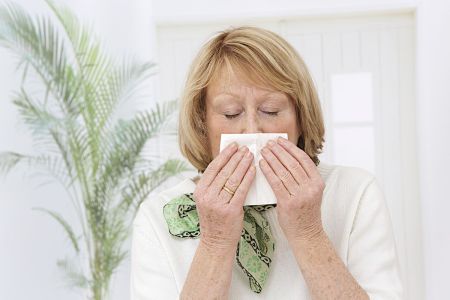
(298,188)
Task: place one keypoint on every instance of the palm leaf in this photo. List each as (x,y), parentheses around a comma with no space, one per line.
(39,120)
(83,142)
(67,228)
(74,276)
(51,165)
(37,43)
(126,144)
(142,184)
(8,160)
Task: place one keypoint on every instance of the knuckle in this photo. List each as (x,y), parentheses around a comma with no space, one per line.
(239,193)
(313,191)
(224,173)
(207,197)
(233,182)
(321,185)
(234,210)
(308,194)
(213,167)
(318,186)
(295,166)
(223,197)
(317,189)
(284,175)
(278,185)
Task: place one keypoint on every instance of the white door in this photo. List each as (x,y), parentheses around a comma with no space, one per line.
(363,67)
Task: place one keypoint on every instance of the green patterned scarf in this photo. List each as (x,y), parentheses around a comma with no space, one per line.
(255,248)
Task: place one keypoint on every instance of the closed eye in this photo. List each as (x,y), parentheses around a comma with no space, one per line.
(270,113)
(231,116)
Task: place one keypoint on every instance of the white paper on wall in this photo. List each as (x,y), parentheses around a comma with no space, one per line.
(260,191)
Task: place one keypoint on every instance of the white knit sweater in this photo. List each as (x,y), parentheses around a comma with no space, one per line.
(355,218)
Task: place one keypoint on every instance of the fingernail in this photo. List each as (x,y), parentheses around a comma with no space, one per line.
(243,148)
(232,146)
(271,143)
(281,140)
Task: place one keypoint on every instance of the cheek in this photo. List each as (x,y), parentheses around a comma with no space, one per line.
(215,127)
(288,124)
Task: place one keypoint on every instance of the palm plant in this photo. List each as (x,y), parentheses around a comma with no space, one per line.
(81,141)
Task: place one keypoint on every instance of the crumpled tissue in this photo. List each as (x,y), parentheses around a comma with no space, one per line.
(260,192)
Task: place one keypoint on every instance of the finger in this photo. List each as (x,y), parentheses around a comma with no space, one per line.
(283,174)
(303,158)
(289,162)
(226,172)
(216,165)
(236,178)
(240,195)
(275,182)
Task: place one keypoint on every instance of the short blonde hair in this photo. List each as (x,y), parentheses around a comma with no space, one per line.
(265,57)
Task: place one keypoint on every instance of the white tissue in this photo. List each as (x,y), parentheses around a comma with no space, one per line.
(260,191)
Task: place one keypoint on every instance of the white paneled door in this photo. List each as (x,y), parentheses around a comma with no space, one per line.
(363,67)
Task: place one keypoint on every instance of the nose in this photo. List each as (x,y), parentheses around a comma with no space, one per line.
(251,124)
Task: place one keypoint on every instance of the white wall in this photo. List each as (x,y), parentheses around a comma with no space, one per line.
(167,11)
(433,113)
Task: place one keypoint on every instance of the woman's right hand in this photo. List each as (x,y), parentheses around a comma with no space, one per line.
(221,214)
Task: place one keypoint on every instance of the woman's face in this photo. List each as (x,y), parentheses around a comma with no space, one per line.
(235,105)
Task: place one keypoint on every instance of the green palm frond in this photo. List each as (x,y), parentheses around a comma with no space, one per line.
(74,275)
(48,164)
(82,141)
(37,43)
(9,160)
(38,119)
(142,184)
(124,147)
(68,229)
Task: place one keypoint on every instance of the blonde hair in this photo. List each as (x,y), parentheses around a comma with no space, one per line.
(264,57)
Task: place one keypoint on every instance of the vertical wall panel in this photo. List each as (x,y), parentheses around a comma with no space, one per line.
(408,144)
(351,56)
(332,64)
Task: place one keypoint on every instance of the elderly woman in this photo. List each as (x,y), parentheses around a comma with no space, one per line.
(329,236)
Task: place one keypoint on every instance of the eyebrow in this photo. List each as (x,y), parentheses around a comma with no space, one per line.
(238,97)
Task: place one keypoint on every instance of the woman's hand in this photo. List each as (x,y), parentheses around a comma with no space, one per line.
(298,187)
(220,213)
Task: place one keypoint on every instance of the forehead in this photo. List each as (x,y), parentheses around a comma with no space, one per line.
(234,82)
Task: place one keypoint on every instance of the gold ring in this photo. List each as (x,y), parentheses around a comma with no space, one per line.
(228,190)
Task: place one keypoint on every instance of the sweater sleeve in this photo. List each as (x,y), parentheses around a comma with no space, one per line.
(372,257)
(151,275)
